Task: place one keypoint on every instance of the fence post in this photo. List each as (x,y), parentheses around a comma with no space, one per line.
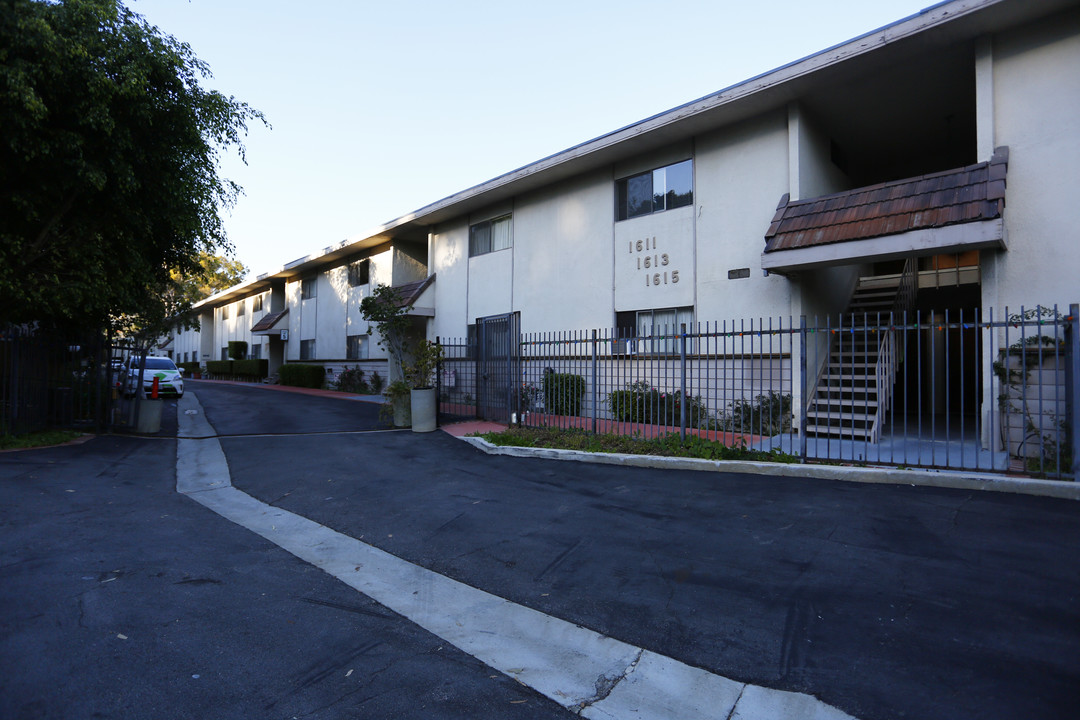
(438,380)
(595,389)
(803,400)
(1072,387)
(682,381)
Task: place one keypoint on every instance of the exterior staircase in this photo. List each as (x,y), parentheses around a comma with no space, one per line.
(854,389)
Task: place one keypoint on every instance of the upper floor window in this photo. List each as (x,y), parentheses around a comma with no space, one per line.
(356,347)
(224,312)
(241,308)
(256,303)
(307,288)
(491,235)
(359,273)
(654,191)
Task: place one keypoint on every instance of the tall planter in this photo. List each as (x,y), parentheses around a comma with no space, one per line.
(423,405)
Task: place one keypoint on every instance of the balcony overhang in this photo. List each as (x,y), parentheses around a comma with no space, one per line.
(930,241)
(271,324)
(944,212)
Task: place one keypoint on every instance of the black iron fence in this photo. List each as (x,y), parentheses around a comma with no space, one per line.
(58,380)
(951,389)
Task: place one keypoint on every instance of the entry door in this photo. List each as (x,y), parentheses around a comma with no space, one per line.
(498,365)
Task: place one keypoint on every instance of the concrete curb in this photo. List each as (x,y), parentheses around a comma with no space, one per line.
(1062,489)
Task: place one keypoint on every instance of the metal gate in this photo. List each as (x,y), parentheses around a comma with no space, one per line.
(498,365)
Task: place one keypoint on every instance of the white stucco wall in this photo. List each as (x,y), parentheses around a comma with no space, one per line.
(741,173)
(1036,79)
(450,263)
(562,255)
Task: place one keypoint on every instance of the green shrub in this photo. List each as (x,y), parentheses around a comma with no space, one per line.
(302,375)
(642,403)
(377,383)
(563,393)
(352,380)
(237,350)
(221,368)
(765,415)
(256,369)
(189,367)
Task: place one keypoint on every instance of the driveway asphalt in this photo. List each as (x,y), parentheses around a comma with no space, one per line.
(885,601)
(120,598)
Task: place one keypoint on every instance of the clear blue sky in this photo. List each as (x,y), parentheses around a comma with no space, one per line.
(381,108)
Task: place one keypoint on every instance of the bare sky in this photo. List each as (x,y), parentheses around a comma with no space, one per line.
(379,109)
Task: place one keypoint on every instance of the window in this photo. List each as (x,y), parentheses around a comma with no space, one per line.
(241,308)
(307,288)
(654,191)
(224,312)
(356,347)
(491,235)
(359,273)
(651,331)
(255,352)
(225,353)
(307,349)
(256,303)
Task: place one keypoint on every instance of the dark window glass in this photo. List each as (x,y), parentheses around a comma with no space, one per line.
(479,239)
(241,308)
(307,289)
(358,273)
(662,189)
(639,195)
(679,181)
(255,352)
(307,349)
(256,304)
(356,347)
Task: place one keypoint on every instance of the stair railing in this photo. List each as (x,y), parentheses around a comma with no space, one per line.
(886,368)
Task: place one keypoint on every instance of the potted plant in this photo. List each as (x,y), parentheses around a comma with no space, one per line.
(397,401)
(387,311)
(423,398)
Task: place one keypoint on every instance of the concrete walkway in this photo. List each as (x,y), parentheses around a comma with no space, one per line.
(588,673)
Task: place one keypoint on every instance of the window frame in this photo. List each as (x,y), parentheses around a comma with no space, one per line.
(630,340)
(362,351)
(309,288)
(357,271)
(669,199)
(257,304)
(307,349)
(484,246)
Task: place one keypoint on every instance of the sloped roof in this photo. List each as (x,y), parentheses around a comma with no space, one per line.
(268,321)
(411,292)
(962,195)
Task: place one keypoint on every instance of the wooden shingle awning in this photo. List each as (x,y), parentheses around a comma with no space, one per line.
(266,324)
(940,212)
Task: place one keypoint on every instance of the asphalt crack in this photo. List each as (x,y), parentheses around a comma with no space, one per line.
(605,684)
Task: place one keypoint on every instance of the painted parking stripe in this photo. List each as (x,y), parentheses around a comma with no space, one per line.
(586,672)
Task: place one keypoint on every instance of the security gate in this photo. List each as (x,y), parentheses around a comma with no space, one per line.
(498,365)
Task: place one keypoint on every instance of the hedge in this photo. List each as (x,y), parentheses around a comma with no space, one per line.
(257,369)
(301,375)
(237,349)
(563,393)
(189,367)
(219,367)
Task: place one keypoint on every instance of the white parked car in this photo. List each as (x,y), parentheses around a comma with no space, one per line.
(170,379)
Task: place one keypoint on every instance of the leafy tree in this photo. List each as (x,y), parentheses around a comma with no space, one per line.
(215,273)
(109,160)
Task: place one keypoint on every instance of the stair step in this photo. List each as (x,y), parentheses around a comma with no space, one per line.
(853,433)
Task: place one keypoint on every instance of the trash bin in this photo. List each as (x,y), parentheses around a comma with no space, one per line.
(149,416)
